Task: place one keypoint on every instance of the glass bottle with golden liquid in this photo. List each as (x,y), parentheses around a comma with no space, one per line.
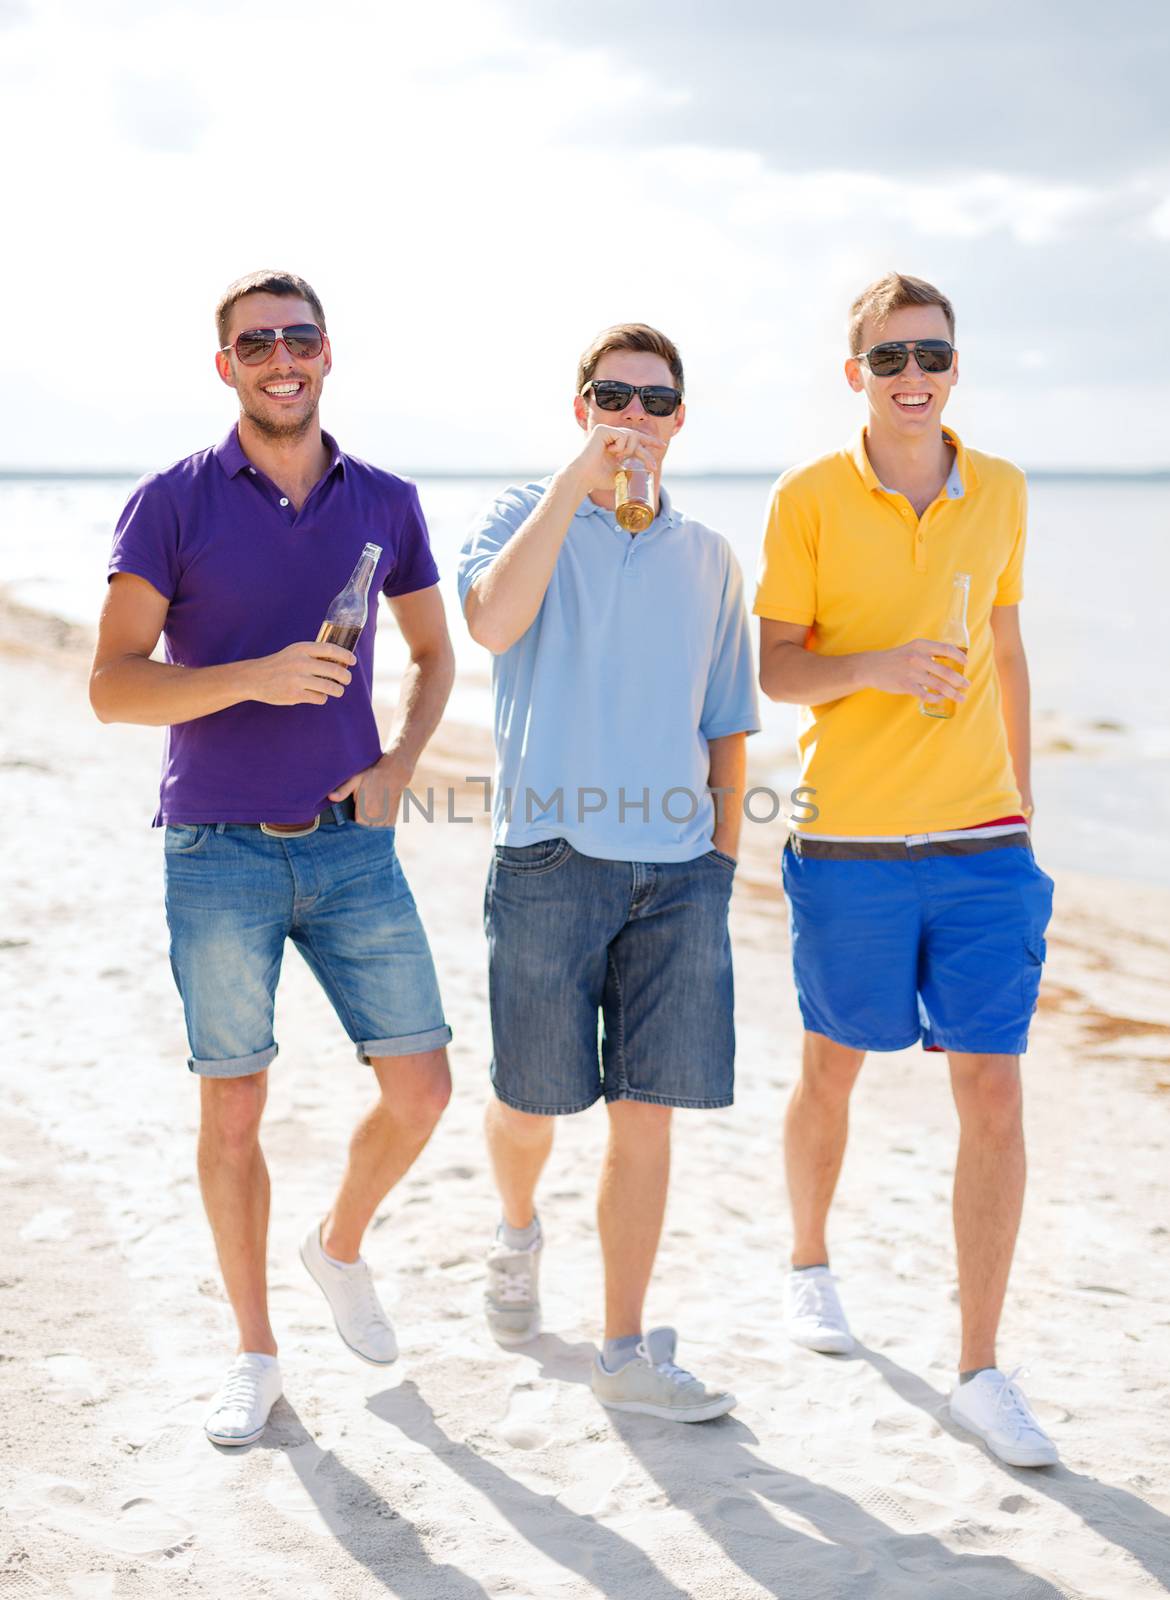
(633,495)
(346,616)
(954,632)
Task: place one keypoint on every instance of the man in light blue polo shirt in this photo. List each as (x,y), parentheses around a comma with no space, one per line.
(624,688)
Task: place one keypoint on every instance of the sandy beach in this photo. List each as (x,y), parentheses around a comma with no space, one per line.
(467,1471)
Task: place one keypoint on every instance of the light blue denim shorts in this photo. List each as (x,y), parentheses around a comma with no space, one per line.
(234,895)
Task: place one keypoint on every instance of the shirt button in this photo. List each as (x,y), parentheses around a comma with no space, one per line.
(283,501)
(252,470)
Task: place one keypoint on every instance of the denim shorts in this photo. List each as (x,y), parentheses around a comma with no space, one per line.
(640,948)
(939,942)
(234,895)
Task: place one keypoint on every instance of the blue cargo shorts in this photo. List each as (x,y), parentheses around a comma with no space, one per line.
(939,941)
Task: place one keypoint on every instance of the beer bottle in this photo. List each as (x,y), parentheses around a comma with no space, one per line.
(954,632)
(633,495)
(346,616)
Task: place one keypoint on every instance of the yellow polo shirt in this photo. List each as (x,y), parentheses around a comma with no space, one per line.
(852,561)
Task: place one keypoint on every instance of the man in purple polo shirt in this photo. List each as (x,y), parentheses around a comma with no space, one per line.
(277,799)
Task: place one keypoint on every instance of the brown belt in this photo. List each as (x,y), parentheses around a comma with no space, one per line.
(298,830)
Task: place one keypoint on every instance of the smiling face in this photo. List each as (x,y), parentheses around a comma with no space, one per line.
(908,405)
(642,369)
(280,397)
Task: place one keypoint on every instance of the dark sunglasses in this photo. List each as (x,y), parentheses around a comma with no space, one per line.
(657,400)
(254,346)
(887,360)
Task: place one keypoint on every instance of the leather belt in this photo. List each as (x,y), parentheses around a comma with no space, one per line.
(299,830)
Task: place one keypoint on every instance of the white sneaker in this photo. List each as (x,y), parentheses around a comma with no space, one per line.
(511,1301)
(357,1312)
(239,1411)
(992,1405)
(652,1385)
(813,1313)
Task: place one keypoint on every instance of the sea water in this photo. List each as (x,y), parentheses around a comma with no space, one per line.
(1096,581)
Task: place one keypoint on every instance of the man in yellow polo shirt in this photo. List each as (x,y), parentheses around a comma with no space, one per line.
(918,911)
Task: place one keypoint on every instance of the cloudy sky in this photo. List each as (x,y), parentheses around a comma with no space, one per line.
(476,186)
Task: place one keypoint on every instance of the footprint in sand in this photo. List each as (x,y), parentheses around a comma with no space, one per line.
(526,1423)
(301,1488)
(140,1527)
(595,1488)
(72,1380)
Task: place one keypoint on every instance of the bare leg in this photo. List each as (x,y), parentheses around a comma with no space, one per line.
(385,1144)
(815,1131)
(631,1204)
(233,1179)
(519,1145)
(989,1193)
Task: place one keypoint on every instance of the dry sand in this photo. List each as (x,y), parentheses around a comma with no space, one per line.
(468,1471)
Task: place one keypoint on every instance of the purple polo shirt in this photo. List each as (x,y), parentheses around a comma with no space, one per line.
(245,574)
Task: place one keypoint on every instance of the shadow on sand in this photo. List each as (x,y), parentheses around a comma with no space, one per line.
(362,1521)
(711,1471)
(1116,1515)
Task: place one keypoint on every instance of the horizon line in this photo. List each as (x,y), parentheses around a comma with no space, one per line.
(59,474)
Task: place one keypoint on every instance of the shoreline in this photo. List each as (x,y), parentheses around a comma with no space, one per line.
(1081,768)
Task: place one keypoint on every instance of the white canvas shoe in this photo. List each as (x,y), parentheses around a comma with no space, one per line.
(652,1385)
(511,1301)
(239,1411)
(357,1312)
(992,1405)
(813,1313)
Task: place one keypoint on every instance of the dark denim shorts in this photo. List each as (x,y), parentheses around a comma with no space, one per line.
(640,948)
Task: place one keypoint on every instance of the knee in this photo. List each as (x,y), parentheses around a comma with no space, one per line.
(517,1127)
(419,1098)
(829,1070)
(231,1113)
(991,1093)
(638,1122)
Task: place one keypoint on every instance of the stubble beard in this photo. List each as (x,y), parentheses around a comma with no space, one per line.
(275,428)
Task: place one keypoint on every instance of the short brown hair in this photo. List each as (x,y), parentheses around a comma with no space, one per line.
(264,282)
(891,293)
(630,336)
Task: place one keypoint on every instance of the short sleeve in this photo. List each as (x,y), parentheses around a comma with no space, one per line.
(146,540)
(492,529)
(1009,590)
(731,704)
(414,566)
(786,588)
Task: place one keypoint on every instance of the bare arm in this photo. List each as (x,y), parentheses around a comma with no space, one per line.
(1011,663)
(125,685)
(728,759)
(422,697)
(802,677)
(502,603)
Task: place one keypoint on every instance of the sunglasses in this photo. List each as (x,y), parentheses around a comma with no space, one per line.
(254,346)
(887,360)
(657,400)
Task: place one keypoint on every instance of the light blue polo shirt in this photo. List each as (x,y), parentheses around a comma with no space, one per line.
(640,653)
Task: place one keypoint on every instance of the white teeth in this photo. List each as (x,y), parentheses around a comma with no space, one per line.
(281,388)
(912,399)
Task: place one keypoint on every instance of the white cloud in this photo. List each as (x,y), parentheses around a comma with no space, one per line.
(471,201)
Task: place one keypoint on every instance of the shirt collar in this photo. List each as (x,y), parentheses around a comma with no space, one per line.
(961,480)
(667,516)
(229,452)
